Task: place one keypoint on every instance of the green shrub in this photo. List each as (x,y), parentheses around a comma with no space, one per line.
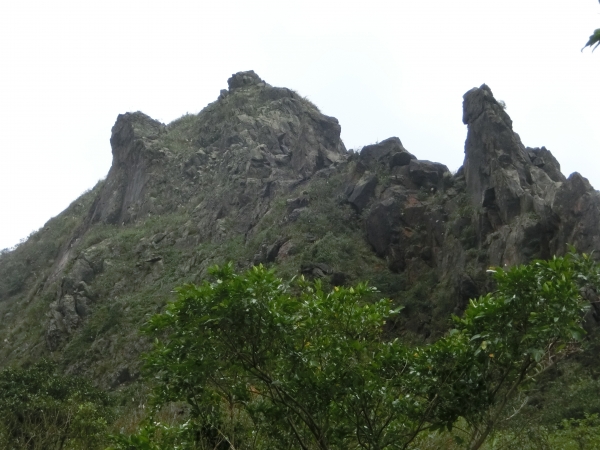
(41,409)
(305,368)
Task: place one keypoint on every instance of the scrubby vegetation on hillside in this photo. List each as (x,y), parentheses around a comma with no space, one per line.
(251,361)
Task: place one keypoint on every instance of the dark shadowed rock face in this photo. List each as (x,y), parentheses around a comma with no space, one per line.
(262,176)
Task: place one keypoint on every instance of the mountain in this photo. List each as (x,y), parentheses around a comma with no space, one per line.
(262,176)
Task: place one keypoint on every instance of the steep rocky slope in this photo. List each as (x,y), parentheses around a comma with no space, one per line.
(262,176)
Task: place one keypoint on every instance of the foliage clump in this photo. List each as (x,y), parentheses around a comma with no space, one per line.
(263,363)
(41,409)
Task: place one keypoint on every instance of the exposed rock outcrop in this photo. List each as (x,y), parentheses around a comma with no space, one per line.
(133,151)
(75,297)
(523,197)
(258,132)
(244,79)
(507,205)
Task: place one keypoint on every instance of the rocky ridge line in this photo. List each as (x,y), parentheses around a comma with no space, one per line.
(261,175)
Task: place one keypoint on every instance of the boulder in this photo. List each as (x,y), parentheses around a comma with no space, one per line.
(272,250)
(315,270)
(385,150)
(297,202)
(402,158)
(243,79)
(363,191)
(426,174)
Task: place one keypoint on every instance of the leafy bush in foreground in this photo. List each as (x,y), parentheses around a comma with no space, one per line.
(40,409)
(267,364)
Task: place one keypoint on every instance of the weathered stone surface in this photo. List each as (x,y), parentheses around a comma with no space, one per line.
(298,202)
(315,270)
(523,188)
(127,179)
(494,156)
(426,174)
(285,251)
(363,192)
(577,209)
(63,320)
(542,158)
(401,159)
(384,150)
(379,225)
(263,133)
(506,205)
(273,249)
(243,79)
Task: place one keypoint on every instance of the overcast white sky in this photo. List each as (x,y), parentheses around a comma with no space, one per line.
(383,68)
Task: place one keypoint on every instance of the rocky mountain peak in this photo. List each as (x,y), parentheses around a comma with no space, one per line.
(268,134)
(261,175)
(244,79)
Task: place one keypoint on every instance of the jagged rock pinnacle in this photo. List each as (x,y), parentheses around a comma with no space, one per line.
(524,200)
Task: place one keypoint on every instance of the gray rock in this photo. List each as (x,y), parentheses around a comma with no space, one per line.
(231,179)
(129,173)
(426,174)
(298,202)
(542,158)
(243,79)
(495,157)
(380,224)
(363,192)
(295,214)
(315,270)
(273,249)
(577,205)
(63,320)
(285,251)
(383,150)
(402,158)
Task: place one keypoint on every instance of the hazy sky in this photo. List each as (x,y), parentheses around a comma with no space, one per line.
(383,68)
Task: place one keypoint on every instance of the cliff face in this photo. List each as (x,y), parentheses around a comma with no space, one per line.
(261,176)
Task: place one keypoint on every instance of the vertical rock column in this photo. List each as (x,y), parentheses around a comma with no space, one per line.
(496,165)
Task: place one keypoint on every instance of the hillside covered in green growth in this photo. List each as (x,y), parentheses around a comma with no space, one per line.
(261,176)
